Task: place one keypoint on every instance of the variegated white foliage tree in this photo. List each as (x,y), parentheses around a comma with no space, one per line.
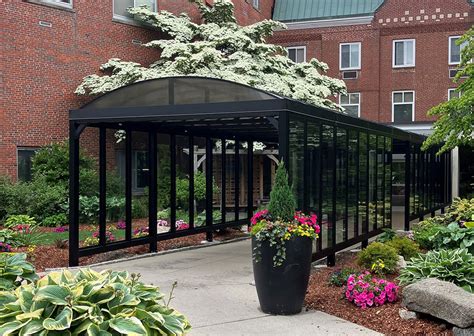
(219,48)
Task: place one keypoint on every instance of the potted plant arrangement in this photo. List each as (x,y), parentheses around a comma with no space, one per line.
(282,247)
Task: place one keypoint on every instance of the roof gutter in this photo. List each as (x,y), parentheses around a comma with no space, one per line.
(347,21)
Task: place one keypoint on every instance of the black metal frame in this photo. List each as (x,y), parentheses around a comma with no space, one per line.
(265,120)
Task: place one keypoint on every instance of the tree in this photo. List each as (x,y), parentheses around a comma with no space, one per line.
(219,48)
(282,203)
(455,124)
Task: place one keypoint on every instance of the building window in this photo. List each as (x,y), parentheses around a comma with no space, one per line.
(120,7)
(403,53)
(25,156)
(453,93)
(297,54)
(455,50)
(65,3)
(256,4)
(351,104)
(403,106)
(349,56)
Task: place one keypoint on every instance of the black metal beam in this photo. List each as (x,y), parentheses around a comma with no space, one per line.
(209,191)
(223,180)
(249,179)
(237,180)
(191,181)
(173,183)
(102,184)
(152,190)
(73,195)
(128,185)
(407,186)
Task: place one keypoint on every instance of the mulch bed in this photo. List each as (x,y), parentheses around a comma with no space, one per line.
(385,319)
(50,256)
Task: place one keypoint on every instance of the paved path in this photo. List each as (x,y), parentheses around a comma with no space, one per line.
(215,292)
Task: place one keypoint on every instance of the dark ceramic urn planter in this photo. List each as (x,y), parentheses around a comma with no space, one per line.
(281,290)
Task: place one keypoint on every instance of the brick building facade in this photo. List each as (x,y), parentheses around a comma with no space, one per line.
(48,46)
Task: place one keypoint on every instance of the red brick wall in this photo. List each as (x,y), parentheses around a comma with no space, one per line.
(377,79)
(40,67)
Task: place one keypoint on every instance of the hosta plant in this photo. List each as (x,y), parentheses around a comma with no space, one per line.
(88,303)
(456,266)
(453,236)
(14,269)
(14,220)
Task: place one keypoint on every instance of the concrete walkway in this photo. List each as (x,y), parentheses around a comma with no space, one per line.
(216,293)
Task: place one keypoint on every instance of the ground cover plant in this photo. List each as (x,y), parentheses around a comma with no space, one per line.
(89,303)
(378,257)
(455,266)
(14,269)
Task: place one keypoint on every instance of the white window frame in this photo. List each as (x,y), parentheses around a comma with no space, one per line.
(296,48)
(403,103)
(126,18)
(256,4)
(349,95)
(449,50)
(340,56)
(453,90)
(59,3)
(404,54)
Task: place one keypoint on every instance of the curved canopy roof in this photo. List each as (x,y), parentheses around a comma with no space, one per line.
(178,91)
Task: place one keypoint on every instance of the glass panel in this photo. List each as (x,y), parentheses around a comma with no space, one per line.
(341,179)
(140,171)
(243,180)
(455,56)
(115,176)
(402,112)
(163,183)
(410,53)
(345,56)
(292,54)
(399,53)
(300,55)
(89,188)
(199,163)
(230,182)
(352,183)
(296,165)
(354,98)
(355,62)
(372,181)
(344,99)
(120,7)
(380,181)
(313,153)
(398,97)
(388,182)
(363,182)
(216,181)
(182,182)
(24,163)
(352,110)
(408,97)
(327,148)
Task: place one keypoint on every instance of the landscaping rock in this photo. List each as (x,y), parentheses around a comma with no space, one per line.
(401,262)
(463,332)
(407,314)
(441,299)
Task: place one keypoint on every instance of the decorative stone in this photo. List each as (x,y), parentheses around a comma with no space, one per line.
(407,314)
(463,332)
(401,262)
(441,299)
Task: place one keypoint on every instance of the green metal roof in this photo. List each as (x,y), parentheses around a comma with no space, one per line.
(301,10)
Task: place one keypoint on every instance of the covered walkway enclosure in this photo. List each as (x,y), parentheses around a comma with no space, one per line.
(340,166)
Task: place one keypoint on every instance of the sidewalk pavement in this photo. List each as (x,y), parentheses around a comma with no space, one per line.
(216,292)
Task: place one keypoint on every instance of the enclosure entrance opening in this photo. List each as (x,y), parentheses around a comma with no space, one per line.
(186,155)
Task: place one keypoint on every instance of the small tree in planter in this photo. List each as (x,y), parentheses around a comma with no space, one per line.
(282,245)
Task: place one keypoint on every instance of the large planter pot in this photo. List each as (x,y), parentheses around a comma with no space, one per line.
(281,290)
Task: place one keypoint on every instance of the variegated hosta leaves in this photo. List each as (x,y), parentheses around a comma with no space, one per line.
(88,303)
(219,48)
(14,269)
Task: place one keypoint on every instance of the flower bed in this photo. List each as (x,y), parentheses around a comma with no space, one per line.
(385,318)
